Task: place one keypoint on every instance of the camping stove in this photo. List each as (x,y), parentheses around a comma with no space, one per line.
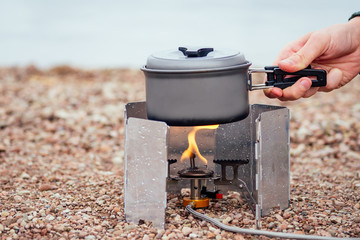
(250,156)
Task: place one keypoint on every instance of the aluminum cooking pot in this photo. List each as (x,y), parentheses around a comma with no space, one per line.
(203,86)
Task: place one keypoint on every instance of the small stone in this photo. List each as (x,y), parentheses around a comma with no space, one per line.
(210,235)
(357,219)
(218,237)
(279,218)
(129,227)
(24,175)
(2,148)
(117,233)
(308,228)
(283,226)
(88,209)
(59,228)
(49,217)
(98,228)
(271,225)
(18,198)
(335,220)
(339,204)
(212,229)
(239,237)
(5,214)
(116,209)
(146,237)
(172,235)
(159,234)
(186,231)
(83,234)
(193,235)
(227,220)
(90,237)
(1,227)
(286,215)
(47,187)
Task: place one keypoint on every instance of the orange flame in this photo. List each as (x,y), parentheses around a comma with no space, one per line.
(193,148)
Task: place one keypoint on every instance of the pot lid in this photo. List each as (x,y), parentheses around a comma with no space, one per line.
(195,58)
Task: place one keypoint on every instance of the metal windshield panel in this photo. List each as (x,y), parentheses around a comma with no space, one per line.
(145,171)
(273,165)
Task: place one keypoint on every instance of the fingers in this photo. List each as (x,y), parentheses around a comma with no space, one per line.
(315,46)
(334,78)
(291,48)
(300,89)
(273,92)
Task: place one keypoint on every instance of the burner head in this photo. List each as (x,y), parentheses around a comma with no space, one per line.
(195,173)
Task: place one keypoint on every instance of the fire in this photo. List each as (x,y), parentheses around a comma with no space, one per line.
(193,148)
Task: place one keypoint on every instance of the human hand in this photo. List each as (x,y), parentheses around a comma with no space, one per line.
(335,49)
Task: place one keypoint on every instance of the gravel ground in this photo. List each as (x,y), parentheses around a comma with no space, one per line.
(61,155)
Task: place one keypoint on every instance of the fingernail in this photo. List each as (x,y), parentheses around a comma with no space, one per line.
(305,84)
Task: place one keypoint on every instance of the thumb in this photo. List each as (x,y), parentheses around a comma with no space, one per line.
(312,49)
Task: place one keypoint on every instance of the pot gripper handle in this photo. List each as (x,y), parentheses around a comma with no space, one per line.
(276,78)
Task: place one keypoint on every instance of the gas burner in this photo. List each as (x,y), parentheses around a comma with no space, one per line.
(198,180)
(196,173)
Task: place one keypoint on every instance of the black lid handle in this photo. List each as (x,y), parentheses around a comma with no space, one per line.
(201,52)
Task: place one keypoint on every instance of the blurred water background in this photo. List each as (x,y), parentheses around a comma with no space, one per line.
(119,33)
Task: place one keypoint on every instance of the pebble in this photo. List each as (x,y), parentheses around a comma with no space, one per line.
(61,154)
(212,229)
(18,198)
(286,215)
(129,227)
(210,235)
(83,234)
(227,220)
(172,235)
(279,218)
(186,231)
(117,232)
(90,237)
(59,227)
(308,228)
(336,220)
(98,228)
(5,214)
(24,175)
(49,217)
(193,235)
(47,187)
(271,225)
(339,204)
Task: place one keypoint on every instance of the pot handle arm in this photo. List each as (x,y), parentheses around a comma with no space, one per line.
(276,77)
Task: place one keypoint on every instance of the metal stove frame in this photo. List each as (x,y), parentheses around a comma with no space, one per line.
(249,156)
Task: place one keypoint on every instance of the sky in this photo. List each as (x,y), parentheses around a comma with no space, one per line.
(106,34)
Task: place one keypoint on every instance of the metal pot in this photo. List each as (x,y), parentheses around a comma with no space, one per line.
(202,86)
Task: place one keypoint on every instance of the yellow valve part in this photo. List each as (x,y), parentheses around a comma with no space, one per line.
(198,203)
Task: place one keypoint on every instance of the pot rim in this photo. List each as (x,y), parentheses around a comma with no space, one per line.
(144,69)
